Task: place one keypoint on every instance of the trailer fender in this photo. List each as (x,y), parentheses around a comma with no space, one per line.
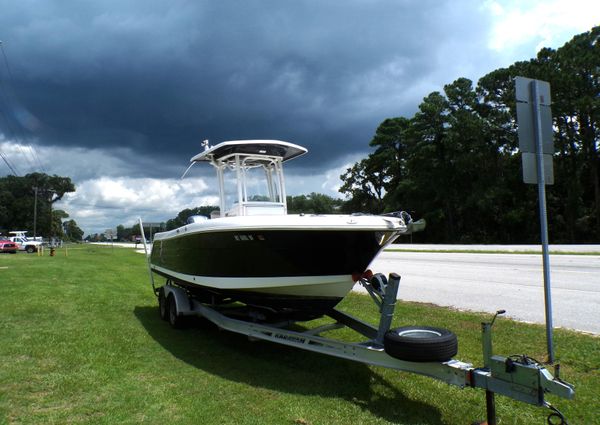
(182,301)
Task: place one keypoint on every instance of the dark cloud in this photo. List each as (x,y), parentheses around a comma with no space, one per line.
(158,77)
(119,94)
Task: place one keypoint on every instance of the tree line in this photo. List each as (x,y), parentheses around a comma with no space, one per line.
(26,203)
(456,162)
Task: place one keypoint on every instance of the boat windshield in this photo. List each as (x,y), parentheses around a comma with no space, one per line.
(258,188)
(252,185)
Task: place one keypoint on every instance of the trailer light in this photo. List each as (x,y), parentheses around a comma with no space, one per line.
(469,379)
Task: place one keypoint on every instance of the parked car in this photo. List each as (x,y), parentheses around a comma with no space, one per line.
(24,243)
(8,246)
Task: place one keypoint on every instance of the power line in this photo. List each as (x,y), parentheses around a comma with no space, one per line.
(11,79)
(8,164)
(20,139)
(5,60)
(4,116)
(37,158)
(8,126)
(11,131)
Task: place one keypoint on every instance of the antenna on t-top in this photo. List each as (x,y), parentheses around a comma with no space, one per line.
(206,147)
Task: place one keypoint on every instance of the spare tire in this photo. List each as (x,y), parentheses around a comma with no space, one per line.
(420,344)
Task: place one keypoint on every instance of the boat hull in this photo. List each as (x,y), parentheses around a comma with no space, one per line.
(302,270)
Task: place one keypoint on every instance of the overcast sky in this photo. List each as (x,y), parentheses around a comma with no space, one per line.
(118,95)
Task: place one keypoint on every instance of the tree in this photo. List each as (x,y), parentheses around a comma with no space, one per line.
(72,231)
(57,222)
(579,77)
(364,183)
(456,160)
(18,196)
(315,203)
(183,216)
(122,233)
(390,140)
(428,185)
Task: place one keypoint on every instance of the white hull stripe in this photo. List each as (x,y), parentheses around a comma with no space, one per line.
(337,285)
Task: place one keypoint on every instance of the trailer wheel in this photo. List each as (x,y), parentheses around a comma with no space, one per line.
(421,344)
(163,308)
(175,320)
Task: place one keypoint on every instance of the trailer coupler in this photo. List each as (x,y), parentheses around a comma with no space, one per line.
(519,377)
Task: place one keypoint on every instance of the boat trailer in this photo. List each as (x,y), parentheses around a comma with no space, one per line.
(518,377)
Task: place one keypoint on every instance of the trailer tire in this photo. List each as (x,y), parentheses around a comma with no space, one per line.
(175,319)
(163,307)
(420,344)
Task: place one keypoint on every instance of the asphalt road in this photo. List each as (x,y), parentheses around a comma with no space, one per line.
(490,282)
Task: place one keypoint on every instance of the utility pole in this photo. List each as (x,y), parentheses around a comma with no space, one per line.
(35,212)
(52,192)
(50,227)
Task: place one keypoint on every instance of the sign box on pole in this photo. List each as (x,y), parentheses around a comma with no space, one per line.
(526,111)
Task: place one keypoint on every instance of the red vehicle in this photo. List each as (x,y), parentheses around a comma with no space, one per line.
(8,246)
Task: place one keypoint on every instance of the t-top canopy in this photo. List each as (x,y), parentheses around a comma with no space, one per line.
(267,148)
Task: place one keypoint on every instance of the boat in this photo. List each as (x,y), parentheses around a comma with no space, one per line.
(251,251)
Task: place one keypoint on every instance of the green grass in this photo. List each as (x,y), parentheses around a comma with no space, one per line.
(81,342)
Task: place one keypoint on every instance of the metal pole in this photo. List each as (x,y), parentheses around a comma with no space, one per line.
(35,212)
(543,220)
(50,228)
(490,407)
(147,255)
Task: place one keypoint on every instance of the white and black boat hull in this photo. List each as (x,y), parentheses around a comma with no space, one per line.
(300,269)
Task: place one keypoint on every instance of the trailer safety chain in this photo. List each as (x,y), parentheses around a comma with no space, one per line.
(555,415)
(523,359)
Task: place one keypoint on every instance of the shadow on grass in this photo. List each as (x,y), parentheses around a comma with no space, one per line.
(284,369)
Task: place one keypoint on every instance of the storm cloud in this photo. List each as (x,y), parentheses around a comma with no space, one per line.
(159,76)
(130,89)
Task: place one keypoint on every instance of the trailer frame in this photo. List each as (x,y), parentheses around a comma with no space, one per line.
(521,379)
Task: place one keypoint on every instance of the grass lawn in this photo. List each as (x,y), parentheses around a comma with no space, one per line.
(81,342)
